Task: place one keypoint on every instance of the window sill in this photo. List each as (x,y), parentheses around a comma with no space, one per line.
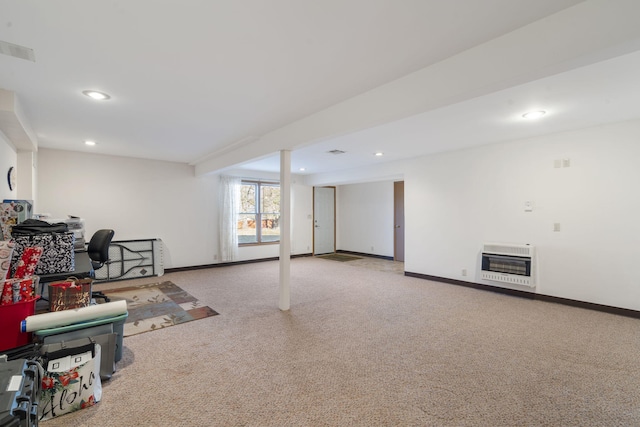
(240,245)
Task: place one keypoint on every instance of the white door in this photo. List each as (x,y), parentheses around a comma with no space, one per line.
(324,220)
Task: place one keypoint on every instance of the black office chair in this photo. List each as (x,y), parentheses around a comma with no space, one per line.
(98,251)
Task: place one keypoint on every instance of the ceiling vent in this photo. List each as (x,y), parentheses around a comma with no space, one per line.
(336,152)
(17,51)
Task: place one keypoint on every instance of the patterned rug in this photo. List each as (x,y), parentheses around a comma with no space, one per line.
(158,305)
(339,257)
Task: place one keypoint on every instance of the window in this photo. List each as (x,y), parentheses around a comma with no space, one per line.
(259,216)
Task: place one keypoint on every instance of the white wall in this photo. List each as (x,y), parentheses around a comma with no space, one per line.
(27,173)
(8,158)
(143,199)
(364,218)
(454,202)
(139,199)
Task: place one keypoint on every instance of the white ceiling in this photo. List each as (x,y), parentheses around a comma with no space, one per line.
(190,79)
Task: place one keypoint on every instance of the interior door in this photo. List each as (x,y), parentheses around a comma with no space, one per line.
(398,217)
(324,220)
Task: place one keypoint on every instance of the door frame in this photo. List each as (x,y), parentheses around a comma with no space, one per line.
(398,228)
(313,220)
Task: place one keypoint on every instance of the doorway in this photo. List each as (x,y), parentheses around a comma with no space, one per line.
(324,220)
(398,221)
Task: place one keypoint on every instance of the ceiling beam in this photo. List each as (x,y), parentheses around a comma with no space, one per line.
(13,123)
(555,44)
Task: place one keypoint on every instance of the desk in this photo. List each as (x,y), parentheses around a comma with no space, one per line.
(83,268)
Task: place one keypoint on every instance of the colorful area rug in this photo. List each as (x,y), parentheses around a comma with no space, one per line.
(339,257)
(158,305)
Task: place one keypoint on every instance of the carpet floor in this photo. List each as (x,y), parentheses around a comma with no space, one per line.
(370,348)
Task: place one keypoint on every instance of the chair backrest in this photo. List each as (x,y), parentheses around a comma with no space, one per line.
(98,249)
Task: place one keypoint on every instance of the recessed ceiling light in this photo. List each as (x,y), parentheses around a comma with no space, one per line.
(94,94)
(302,169)
(90,143)
(534,114)
(378,154)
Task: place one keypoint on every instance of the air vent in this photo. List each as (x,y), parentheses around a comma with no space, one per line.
(17,51)
(336,152)
(509,263)
(508,249)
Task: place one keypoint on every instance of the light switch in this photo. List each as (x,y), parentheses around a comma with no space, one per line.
(528,206)
(556,226)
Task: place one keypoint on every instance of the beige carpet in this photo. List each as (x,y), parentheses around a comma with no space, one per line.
(368,348)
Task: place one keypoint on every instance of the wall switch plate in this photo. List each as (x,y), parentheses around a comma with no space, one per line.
(528,206)
(556,226)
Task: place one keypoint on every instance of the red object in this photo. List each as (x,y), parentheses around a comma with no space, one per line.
(27,264)
(27,290)
(7,293)
(10,317)
(72,293)
(14,290)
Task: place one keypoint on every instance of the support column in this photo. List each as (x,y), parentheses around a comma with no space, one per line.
(285,229)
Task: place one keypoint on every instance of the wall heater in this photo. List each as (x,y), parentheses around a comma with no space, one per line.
(508,263)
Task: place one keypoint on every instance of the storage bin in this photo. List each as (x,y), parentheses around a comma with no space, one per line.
(85,329)
(10,317)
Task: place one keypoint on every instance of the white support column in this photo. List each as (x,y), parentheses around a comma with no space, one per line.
(285,229)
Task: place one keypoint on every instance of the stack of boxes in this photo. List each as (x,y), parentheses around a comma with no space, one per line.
(76,225)
(13,212)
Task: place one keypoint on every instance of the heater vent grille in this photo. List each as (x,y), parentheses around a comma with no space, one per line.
(508,263)
(507,278)
(505,249)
